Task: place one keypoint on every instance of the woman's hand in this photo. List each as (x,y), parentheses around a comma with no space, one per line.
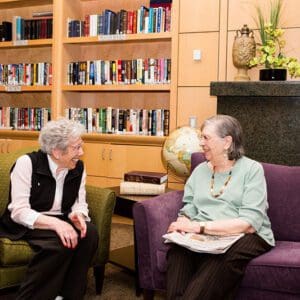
(67,233)
(78,221)
(183,225)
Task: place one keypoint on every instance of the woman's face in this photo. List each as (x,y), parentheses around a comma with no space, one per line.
(213,146)
(69,158)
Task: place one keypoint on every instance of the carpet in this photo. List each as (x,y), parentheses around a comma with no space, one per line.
(118,282)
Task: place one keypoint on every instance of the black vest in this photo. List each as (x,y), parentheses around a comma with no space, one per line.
(42,192)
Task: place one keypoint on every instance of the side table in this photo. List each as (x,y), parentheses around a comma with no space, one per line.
(125,257)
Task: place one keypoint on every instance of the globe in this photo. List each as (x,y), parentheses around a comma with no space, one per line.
(178,148)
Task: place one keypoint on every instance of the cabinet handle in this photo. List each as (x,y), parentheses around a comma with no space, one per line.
(110,154)
(103,154)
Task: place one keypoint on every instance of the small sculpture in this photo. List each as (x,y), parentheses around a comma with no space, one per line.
(243,51)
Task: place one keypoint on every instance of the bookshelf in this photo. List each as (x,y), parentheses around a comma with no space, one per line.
(17,56)
(107,156)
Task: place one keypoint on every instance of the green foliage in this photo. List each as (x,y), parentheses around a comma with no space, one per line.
(270,52)
(273,21)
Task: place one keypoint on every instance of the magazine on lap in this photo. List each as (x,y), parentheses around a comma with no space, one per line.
(215,244)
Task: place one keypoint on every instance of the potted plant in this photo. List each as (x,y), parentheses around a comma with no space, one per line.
(270,53)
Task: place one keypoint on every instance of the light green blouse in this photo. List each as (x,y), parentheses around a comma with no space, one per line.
(245,196)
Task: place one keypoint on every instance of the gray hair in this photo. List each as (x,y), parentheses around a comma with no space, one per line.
(58,134)
(228,126)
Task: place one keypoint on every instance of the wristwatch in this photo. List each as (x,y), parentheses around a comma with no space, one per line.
(202,226)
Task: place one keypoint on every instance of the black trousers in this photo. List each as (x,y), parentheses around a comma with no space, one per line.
(192,275)
(57,270)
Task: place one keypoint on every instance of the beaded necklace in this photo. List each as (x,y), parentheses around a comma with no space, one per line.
(222,188)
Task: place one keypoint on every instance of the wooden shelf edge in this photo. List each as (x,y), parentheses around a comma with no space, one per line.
(117,87)
(92,137)
(119,38)
(28,43)
(26,88)
(22,134)
(125,139)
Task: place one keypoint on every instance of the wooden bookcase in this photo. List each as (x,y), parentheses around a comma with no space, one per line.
(107,156)
(29,51)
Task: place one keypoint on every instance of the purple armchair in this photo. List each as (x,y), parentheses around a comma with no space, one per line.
(273,275)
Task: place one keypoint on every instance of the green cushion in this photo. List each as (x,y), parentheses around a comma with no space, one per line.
(6,162)
(11,276)
(14,253)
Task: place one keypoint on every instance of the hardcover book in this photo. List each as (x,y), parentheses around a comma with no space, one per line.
(141,188)
(146,177)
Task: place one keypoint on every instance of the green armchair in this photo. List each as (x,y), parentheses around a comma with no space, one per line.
(15,255)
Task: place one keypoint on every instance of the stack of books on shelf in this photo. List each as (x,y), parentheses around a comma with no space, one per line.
(104,72)
(5,31)
(154,122)
(143,183)
(32,29)
(108,22)
(32,74)
(24,118)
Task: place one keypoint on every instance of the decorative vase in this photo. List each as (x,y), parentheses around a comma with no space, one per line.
(243,51)
(272,74)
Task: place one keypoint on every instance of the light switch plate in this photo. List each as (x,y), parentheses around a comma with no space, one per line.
(196,54)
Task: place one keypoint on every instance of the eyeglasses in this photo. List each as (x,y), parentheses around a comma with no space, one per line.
(77,147)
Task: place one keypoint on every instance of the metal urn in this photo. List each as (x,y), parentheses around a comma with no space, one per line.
(243,51)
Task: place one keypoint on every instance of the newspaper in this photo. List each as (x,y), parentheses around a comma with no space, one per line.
(204,243)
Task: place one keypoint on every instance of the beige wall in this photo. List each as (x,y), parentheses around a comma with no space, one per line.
(210,26)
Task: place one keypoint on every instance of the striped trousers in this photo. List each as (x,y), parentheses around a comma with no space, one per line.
(202,276)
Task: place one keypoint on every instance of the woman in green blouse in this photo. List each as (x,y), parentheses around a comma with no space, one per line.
(224,195)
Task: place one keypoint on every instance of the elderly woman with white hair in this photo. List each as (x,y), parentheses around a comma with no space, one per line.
(47,208)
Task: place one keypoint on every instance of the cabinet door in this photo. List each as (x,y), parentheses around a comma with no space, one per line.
(10,145)
(124,158)
(104,182)
(95,159)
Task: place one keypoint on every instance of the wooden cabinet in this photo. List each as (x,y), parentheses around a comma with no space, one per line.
(9,145)
(107,162)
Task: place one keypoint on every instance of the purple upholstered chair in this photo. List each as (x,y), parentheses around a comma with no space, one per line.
(271,276)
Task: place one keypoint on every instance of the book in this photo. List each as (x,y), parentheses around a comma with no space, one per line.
(214,244)
(146,177)
(141,188)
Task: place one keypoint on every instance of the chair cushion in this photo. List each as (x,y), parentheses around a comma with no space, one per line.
(277,270)
(14,253)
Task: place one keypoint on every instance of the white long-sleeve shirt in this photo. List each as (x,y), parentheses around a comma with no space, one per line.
(21,211)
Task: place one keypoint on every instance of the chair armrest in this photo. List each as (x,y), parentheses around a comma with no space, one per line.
(101,204)
(151,220)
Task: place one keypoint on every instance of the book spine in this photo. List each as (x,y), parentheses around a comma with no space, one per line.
(142,178)
(137,188)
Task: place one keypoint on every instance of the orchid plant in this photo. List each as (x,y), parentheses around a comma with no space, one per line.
(270,53)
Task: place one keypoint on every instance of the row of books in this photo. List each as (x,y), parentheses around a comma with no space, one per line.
(154,122)
(26,74)
(137,71)
(31,29)
(143,183)
(143,20)
(24,118)
(5,31)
